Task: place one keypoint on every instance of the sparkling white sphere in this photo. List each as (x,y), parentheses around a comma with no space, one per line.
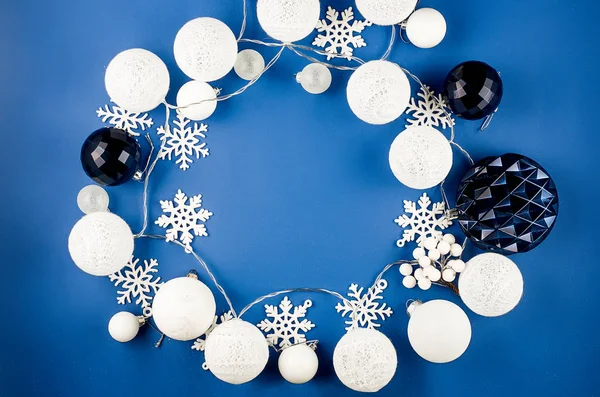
(365,360)
(298,364)
(288,20)
(92,198)
(386,12)
(378,92)
(123,326)
(183,308)
(236,352)
(101,243)
(420,157)
(205,49)
(249,64)
(426,28)
(137,80)
(314,78)
(199,93)
(491,285)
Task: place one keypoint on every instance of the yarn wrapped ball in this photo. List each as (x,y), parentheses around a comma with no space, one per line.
(288,20)
(386,12)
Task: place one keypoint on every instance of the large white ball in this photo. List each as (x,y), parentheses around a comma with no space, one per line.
(205,49)
(249,64)
(202,95)
(378,92)
(137,80)
(426,28)
(123,326)
(439,331)
(101,243)
(420,157)
(365,360)
(288,20)
(236,352)
(298,364)
(491,285)
(183,308)
(386,12)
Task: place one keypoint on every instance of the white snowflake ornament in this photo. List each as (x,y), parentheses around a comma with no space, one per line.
(423,222)
(430,110)
(338,33)
(124,119)
(286,327)
(137,281)
(183,141)
(365,310)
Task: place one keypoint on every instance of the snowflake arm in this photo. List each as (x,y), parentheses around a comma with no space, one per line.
(136,281)
(430,110)
(422,222)
(123,119)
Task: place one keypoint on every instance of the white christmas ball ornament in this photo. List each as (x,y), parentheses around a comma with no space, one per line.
(288,20)
(491,285)
(298,364)
(426,28)
(101,243)
(365,360)
(386,12)
(205,49)
(183,308)
(378,92)
(420,157)
(314,78)
(236,352)
(137,80)
(249,64)
(202,95)
(438,330)
(124,326)
(92,198)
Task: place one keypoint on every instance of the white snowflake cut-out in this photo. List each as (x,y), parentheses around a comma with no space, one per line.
(423,222)
(183,141)
(137,281)
(286,327)
(429,110)
(365,310)
(339,33)
(184,220)
(125,120)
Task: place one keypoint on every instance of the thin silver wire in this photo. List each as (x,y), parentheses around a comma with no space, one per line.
(243,27)
(389,49)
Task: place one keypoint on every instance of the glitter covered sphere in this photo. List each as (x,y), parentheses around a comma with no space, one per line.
(236,352)
(491,285)
(92,198)
(202,95)
(124,326)
(249,64)
(101,243)
(298,363)
(288,20)
(426,28)
(386,12)
(378,92)
(365,360)
(420,157)
(137,80)
(314,78)
(205,49)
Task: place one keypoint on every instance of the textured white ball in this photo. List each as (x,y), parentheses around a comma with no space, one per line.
(314,78)
(409,282)
(424,283)
(439,331)
(196,92)
(378,92)
(456,250)
(426,28)
(424,261)
(205,49)
(101,243)
(249,64)
(406,269)
(386,12)
(420,157)
(236,352)
(491,285)
(183,308)
(434,254)
(430,243)
(457,264)
(449,275)
(449,238)
(137,80)
(443,247)
(288,20)
(123,326)
(418,253)
(298,364)
(365,360)
(92,198)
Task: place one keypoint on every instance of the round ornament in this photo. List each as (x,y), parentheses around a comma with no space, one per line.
(92,198)
(314,78)
(438,330)
(507,204)
(101,243)
(298,363)
(420,157)
(205,49)
(426,28)
(473,90)
(236,352)
(365,360)
(137,80)
(197,100)
(249,64)
(378,92)
(124,326)
(288,20)
(491,285)
(386,12)
(183,308)
(110,156)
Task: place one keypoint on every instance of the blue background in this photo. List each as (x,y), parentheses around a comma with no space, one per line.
(302,196)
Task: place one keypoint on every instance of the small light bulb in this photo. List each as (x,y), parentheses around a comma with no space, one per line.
(314,78)
(92,198)
(249,64)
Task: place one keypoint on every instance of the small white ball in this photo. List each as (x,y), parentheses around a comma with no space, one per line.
(249,64)
(196,92)
(288,20)
(430,243)
(92,198)
(314,78)
(406,269)
(137,80)
(365,360)
(419,274)
(424,261)
(443,247)
(386,12)
(434,254)
(449,238)
(123,326)
(409,282)
(424,283)
(449,275)
(426,28)
(418,253)
(457,264)
(456,250)
(298,364)
(433,273)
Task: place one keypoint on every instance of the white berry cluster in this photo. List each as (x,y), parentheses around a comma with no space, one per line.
(438,259)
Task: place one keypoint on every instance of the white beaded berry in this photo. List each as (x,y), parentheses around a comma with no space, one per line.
(406,269)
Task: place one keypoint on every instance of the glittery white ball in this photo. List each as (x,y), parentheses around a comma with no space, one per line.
(249,64)
(123,326)
(439,331)
(420,157)
(314,78)
(236,352)
(137,80)
(92,198)
(183,308)
(196,92)
(426,28)
(205,49)
(101,243)
(298,364)
(491,285)
(365,360)
(288,20)
(386,12)
(378,92)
